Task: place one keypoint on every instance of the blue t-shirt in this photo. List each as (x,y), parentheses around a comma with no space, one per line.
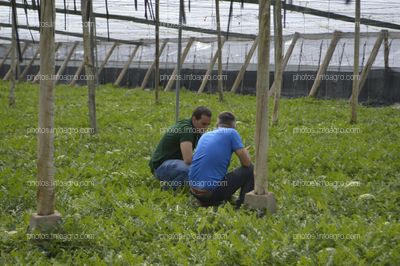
(212,157)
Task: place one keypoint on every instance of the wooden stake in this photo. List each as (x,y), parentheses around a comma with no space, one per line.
(324,66)
(209,70)
(6,56)
(8,75)
(88,56)
(157,57)
(126,66)
(28,66)
(219,51)
(152,67)
(65,62)
(386,51)
(354,97)
(278,58)
(173,77)
(244,66)
(286,59)
(371,60)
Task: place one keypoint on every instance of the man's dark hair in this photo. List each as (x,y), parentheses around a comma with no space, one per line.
(226,118)
(201,110)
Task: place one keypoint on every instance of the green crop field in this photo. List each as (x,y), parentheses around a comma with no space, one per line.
(337,185)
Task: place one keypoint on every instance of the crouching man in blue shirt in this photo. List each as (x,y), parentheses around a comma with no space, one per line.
(208,178)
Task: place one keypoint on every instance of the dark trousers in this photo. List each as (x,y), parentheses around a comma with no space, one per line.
(242,177)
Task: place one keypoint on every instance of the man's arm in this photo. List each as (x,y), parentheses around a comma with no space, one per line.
(244,157)
(187,151)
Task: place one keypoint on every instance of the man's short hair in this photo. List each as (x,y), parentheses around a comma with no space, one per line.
(201,110)
(226,118)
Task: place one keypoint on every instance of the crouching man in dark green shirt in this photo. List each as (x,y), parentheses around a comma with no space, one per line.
(171,159)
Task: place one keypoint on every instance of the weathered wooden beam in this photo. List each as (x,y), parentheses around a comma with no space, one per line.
(65,62)
(108,55)
(324,66)
(286,59)
(28,66)
(244,66)
(6,56)
(387,49)
(209,70)
(151,67)
(173,77)
(371,60)
(8,74)
(126,66)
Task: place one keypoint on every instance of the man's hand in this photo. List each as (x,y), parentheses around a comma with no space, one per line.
(187,151)
(244,157)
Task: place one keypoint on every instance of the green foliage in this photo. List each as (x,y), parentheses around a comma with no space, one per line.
(350,220)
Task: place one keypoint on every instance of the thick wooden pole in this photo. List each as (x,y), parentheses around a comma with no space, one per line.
(126,66)
(65,62)
(240,76)
(260,197)
(153,67)
(88,54)
(278,58)
(46,169)
(286,59)
(324,66)
(219,51)
(371,60)
(354,97)
(261,134)
(173,77)
(209,70)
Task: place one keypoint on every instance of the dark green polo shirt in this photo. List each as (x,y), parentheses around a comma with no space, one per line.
(169,146)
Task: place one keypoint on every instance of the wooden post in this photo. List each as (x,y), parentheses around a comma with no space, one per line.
(13,66)
(28,66)
(354,97)
(8,75)
(219,51)
(324,66)
(46,217)
(108,55)
(77,73)
(157,56)
(209,70)
(6,56)
(260,197)
(152,67)
(126,66)
(88,59)
(245,65)
(386,51)
(371,60)
(36,79)
(65,62)
(286,59)
(173,77)
(278,58)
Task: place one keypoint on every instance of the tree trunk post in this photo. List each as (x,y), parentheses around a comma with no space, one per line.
(278,58)
(260,198)
(354,97)
(220,84)
(46,218)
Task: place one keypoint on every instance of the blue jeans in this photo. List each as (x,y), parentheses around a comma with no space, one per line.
(172,173)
